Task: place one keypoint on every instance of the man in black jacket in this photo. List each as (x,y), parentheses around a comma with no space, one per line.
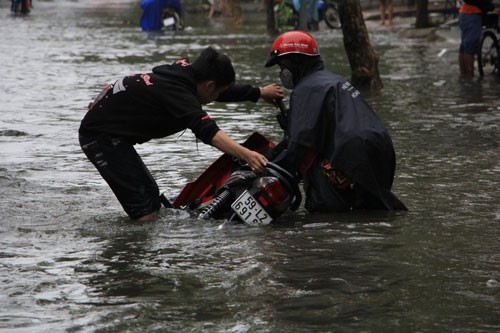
(335,141)
(141,107)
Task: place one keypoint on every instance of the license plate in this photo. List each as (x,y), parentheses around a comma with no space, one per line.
(250,211)
(168,21)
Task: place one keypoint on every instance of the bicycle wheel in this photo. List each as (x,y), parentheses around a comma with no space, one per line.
(487,59)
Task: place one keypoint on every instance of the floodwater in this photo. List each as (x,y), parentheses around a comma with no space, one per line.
(71,261)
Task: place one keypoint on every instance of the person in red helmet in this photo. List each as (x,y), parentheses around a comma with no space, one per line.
(334,140)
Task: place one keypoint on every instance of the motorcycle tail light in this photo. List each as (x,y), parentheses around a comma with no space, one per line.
(273,190)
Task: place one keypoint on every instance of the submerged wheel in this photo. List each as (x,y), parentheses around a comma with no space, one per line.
(487,59)
(332,18)
(179,21)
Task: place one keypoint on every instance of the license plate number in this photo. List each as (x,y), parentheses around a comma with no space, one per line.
(250,211)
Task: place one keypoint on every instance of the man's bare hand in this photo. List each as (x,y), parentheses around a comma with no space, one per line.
(256,161)
(271,92)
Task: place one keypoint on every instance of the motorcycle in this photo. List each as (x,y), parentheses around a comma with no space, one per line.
(161,14)
(172,19)
(228,190)
(330,14)
(288,13)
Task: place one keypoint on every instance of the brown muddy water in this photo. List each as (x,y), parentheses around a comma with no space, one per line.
(71,262)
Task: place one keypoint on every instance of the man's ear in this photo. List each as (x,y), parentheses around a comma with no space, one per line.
(210,84)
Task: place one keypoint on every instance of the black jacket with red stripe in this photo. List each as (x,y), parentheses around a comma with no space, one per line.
(140,107)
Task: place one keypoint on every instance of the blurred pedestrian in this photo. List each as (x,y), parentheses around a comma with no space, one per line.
(21,6)
(312,15)
(386,8)
(152,13)
(215,7)
(470,20)
(311,12)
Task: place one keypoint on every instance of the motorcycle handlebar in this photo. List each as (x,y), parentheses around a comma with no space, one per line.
(292,182)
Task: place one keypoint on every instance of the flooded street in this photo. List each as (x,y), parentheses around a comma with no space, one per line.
(71,261)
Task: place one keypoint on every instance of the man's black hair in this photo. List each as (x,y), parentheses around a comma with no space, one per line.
(214,66)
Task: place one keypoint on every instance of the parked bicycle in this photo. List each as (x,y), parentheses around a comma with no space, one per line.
(488,61)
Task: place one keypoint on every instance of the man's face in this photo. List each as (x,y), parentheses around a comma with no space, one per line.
(208,91)
(286,77)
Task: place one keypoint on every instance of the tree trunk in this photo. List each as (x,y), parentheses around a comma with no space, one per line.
(422,19)
(271,20)
(362,58)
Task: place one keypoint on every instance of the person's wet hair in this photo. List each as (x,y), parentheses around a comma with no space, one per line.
(214,66)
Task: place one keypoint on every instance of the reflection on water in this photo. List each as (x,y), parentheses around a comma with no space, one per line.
(70,259)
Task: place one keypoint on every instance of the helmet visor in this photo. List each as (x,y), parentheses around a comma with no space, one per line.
(273,58)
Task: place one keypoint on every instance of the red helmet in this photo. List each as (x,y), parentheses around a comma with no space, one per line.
(295,41)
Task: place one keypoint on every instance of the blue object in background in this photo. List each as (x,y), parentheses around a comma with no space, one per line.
(313,6)
(152,13)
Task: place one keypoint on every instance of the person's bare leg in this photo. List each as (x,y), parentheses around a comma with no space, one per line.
(150,217)
(461,63)
(389,13)
(467,64)
(382,14)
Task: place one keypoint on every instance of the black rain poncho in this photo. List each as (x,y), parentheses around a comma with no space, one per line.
(330,126)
